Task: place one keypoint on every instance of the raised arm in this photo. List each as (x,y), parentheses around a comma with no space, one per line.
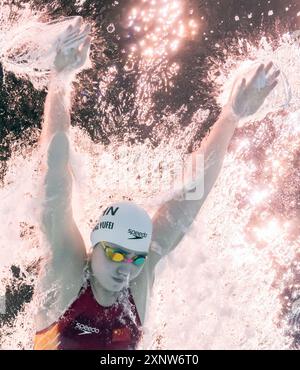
(174,217)
(67,252)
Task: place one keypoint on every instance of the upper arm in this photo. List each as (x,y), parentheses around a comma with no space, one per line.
(170,224)
(57,198)
(64,268)
(58,177)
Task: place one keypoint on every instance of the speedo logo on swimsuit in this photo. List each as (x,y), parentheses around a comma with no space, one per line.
(86,329)
(136,234)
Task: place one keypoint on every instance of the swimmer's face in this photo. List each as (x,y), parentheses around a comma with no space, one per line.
(105,270)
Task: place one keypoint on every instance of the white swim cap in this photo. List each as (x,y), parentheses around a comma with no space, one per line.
(125,224)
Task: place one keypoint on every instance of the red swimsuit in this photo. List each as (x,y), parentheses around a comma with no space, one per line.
(88,325)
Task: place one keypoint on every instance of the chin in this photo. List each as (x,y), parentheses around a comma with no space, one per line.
(117,289)
(111,286)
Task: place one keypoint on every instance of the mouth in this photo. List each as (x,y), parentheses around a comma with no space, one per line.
(118,280)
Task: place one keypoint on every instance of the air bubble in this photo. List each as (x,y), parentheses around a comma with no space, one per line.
(111,28)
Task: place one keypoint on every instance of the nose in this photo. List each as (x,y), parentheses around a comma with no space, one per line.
(124,271)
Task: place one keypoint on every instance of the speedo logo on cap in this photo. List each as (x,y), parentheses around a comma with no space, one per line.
(137,234)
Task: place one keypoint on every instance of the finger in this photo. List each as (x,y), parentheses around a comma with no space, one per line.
(273,76)
(241,87)
(268,89)
(78,22)
(85,48)
(69,32)
(73,30)
(74,42)
(59,44)
(243,84)
(258,72)
(76,27)
(77,32)
(73,45)
(82,56)
(268,67)
(74,37)
(87,28)
(69,29)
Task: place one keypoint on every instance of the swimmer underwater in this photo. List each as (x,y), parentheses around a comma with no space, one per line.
(101,299)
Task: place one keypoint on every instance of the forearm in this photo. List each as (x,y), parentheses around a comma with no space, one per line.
(213,149)
(57,107)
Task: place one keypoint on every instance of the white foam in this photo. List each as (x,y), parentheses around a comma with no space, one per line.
(216,289)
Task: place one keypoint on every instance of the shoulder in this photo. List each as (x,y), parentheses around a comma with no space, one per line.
(55,303)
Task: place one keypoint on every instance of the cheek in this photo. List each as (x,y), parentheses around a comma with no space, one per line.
(135,272)
(100,265)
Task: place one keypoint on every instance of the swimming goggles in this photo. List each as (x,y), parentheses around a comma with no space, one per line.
(116,255)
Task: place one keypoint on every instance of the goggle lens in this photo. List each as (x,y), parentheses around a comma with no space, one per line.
(139,260)
(118,256)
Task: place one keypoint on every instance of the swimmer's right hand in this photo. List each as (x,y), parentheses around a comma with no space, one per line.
(73,48)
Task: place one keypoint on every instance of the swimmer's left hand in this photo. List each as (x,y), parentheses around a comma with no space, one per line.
(249,96)
(73,48)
